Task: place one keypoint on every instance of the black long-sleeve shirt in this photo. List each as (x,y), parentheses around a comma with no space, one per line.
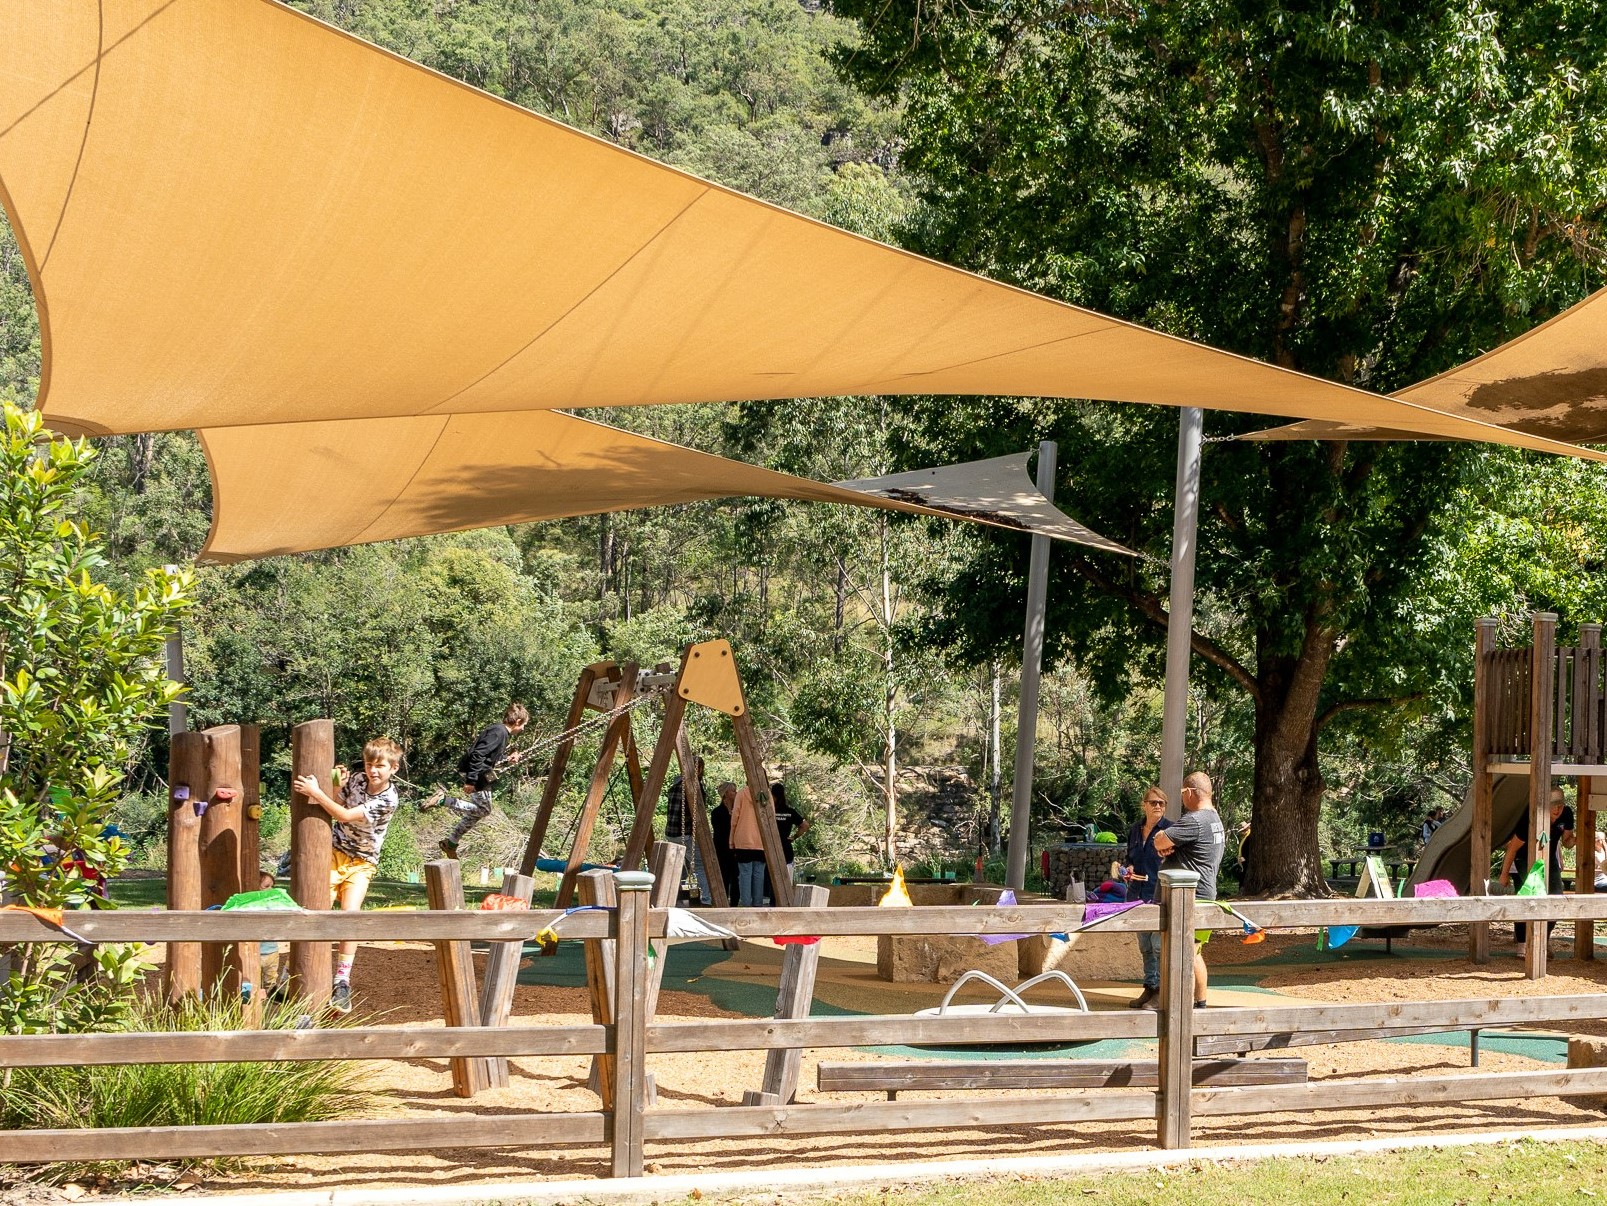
(478,766)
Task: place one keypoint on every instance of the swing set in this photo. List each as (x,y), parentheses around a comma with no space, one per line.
(708,677)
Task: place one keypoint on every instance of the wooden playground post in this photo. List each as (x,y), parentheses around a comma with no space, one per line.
(1542,714)
(186,779)
(1584,866)
(702,831)
(224,966)
(443,883)
(556,768)
(501,976)
(795,994)
(1173,1105)
(250,806)
(641,837)
(1479,832)
(613,739)
(251,861)
(630,1020)
(597,888)
(759,788)
(1589,679)
(312,752)
(665,864)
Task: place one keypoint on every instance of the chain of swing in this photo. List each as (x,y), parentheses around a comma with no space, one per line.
(546,745)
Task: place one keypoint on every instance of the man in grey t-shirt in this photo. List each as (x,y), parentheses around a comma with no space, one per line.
(1196,842)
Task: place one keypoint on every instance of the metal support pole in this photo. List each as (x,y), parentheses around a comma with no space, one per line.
(1180,606)
(1031,665)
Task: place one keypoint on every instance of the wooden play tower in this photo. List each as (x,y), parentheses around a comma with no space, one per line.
(1538,710)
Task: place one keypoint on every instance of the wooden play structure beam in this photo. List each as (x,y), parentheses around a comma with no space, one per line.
(1540,711)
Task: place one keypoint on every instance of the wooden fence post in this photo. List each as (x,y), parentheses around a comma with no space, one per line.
(186,777)
(630,1020)
(1485,687)
(443,880)
(501,975)
(794,996)
(312,752)
(1173,1105)
(1542,714)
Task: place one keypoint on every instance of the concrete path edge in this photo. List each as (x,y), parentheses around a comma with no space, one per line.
(778,1182)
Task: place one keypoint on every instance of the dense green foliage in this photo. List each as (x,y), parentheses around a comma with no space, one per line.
(80,678)
(1371,195)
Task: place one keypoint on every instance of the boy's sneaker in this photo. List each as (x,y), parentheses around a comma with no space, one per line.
(340,1000)
(449,848)
(433,800)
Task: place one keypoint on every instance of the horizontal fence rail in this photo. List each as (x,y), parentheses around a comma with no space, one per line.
(1184,1033)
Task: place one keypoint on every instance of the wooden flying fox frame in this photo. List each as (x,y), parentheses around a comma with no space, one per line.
(707,677)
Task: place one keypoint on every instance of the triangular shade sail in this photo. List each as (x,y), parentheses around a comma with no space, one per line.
(291,487)
(998,491)
(235,215)
(1551,381)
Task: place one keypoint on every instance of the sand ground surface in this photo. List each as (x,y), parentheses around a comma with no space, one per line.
(395,984)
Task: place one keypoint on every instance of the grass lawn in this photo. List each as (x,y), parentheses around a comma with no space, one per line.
(1520,1172)
(382,893)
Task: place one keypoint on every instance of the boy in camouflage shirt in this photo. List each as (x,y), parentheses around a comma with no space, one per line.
(362,815)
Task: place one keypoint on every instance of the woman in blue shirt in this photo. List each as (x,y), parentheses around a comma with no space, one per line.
(1142,870)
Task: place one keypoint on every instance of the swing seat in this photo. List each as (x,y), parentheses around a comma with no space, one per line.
(558,866)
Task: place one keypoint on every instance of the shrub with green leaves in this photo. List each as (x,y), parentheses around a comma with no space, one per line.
(138,1094)
(81,678)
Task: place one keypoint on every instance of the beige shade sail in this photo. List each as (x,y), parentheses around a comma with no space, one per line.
(1551,381)
(234,215)
(292,487)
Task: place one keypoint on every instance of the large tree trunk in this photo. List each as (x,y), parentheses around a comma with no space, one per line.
(1284,858)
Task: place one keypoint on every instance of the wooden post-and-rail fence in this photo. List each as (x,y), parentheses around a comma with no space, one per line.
(1168,1091)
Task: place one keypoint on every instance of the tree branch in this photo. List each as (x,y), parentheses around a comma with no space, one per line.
(1149,606)
(1359,705)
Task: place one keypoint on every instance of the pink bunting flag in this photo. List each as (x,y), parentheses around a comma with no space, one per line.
(1434,888)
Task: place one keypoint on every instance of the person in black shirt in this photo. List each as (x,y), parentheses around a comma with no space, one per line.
(720,825)
(791,824)
(478,770)
(1562,837)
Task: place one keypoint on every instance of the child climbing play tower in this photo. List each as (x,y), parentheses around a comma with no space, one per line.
(1538,710)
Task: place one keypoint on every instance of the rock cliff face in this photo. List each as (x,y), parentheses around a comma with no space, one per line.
(939,808)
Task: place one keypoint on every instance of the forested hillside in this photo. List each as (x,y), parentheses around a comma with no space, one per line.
(1077,158)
